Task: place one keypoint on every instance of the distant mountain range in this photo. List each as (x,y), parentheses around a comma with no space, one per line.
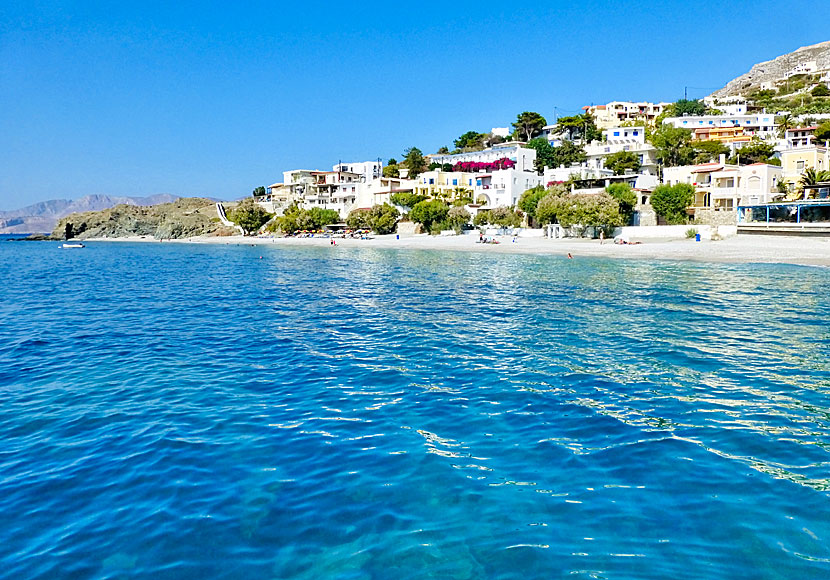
(42,217)
(813,59)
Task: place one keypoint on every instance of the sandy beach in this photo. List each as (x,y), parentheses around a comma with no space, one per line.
(808,251)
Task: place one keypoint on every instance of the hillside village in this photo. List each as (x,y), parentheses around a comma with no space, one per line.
(712,161)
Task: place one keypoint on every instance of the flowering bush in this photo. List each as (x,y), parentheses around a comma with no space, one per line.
(475,167)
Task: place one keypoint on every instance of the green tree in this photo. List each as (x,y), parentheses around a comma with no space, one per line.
(258,191)
(706,151)
(583,211)
(443,151)
(812,176)
(530,199)
(757,152)
(822,133)
(820,91)
(470,141)
(689,107)
(548,206)
(249,216)
(428,213)
(545,153)
(383,219)
(626,199)
(528,125)
(623,162)
(406,199)
(671,201)
(673,145)
(580,127)
(567,154)
(458,217)
(505,217)
(414,161)
(392,169)
(358,219)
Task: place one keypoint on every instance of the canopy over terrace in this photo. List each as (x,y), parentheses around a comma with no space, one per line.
(799,218)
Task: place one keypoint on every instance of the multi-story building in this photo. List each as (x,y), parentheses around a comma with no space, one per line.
(617,113)
(796,159)
(368,170)
(616,139)
(800,137)
(724,186)
(497,176)
(523,158)
(762,126)
(445,184)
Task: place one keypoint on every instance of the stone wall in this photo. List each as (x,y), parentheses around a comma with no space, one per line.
(711,217)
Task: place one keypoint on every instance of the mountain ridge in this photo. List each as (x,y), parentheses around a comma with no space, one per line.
(777,69)
(43,216)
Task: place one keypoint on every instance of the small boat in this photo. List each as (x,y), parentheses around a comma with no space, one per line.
(73,245)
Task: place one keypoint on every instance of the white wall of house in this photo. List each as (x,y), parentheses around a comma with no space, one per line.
(725,186)
(762,125)
(523,157)
(503,187)
(367,169)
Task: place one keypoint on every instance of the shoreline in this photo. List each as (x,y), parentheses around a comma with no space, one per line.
(804,251)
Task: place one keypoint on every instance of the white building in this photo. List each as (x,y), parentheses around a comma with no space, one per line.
(732,106)
(368,170)
(616,113)
(724,186)
(503,187)
(501,184)
(616,139)
(762,126)
(522,157)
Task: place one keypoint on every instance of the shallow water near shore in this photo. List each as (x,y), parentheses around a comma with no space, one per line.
(186,411)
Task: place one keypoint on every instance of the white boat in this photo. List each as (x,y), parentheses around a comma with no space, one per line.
(73,245)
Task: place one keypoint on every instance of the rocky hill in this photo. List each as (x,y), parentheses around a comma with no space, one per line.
(779,69)
(186,217)
(43,216)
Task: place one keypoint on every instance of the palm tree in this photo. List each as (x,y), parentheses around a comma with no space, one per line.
(785,122)
(811,176)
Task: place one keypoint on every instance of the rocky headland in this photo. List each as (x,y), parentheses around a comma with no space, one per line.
(184,218)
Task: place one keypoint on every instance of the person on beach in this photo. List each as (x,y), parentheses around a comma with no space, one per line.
(601,237)
(569,256)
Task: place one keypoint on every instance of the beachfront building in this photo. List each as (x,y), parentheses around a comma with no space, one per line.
(800,137)
(447,185)
(617,113)
(722,186)
(503,187)
(762,126)
(796,159)
(277,197)
(497,175)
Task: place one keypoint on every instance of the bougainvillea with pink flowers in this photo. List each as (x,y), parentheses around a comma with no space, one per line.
(475,167)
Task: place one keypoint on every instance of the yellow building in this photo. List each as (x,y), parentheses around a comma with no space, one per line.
(445,184)
(722,134)
(796,160)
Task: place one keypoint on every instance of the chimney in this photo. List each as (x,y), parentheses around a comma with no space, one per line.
(722,158)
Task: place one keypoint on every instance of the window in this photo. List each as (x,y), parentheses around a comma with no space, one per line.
(799,166)
(616,133)
(635,133)
(455,182)
(431,181)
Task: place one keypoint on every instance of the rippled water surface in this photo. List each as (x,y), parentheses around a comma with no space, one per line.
(173,411)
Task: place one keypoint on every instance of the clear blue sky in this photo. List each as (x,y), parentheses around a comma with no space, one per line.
(215,99)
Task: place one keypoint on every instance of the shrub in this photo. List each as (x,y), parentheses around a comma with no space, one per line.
(671,201)
(428,213)
(691,232)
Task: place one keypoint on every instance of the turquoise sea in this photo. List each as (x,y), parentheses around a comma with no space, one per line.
(182,411)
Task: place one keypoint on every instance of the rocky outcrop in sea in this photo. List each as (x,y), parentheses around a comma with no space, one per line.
(186,217)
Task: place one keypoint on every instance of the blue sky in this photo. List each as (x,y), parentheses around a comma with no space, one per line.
(215,99)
